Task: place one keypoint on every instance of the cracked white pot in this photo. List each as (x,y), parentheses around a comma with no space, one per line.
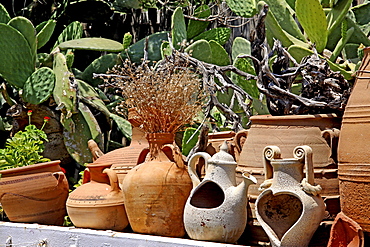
(290,208)
(216,209)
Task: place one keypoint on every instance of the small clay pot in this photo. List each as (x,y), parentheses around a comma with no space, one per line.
(35,193)
(98,204)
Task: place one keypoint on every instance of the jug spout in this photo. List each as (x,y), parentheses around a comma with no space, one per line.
(242,188)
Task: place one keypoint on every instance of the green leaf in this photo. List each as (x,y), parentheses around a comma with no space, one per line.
(240,46)
(178,28)
(16,58)
(92,44)
(219,54)
(196,27)
(187,144)
(221,35)
(44,32)
(313,20)
(4,15)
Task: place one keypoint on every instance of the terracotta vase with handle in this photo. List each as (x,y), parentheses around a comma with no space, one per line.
(99,203)
(155,191)
(35,193)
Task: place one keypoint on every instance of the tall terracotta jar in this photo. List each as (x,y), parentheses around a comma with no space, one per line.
(155,192)
(353,150)
(35,193)
(124,159)
(98,204)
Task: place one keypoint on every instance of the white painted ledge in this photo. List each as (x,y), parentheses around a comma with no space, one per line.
(24,235)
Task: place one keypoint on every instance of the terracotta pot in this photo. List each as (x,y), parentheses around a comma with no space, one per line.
(353,153)
(289,207)
(99,203)
(124,159)
(155,191)
(320,132)
(35,193)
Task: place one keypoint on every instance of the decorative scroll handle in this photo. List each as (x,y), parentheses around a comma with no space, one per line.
(304,154)
(192,166)
(269,153)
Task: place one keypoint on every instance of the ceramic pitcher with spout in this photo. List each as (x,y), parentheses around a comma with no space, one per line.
(290,208)
(216,209)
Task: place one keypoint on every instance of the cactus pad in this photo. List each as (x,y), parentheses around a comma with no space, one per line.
(93,44)
(200,50)
(44,32)
(244,8)
(4,15)
(72,31)
(127,39)
(178,28)
(219,54)
(240,46)
(39,86)
(221,35)
(313,20)
(16,58)
(196,27)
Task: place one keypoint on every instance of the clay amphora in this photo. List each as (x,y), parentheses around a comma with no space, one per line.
(35,193)
(124,159)
(353,150)
(216,209)
(289,208)
(320,132)
(99,203)
(155,191)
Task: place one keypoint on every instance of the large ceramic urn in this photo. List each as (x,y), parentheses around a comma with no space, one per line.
(289,208)
(155,191)
(216,209)
(35,193)
(353,150)
(99,203)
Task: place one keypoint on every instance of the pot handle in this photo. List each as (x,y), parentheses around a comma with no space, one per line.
(331,136)
(238,138)
(304,153)
(192,166)
(174,154)
(59,176)
(113,179)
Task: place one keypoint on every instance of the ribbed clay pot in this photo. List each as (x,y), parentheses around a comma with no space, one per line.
(99,203)
(124,159)
(35,193)
(353,150)
(155,191)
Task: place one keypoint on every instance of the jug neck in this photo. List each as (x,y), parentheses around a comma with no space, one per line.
(96,172)
(223,173)
(157,141)
(288,170)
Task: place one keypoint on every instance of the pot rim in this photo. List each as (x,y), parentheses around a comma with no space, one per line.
(291,117)
(30,167)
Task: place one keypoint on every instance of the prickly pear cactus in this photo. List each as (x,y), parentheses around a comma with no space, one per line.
(72,31)
(313,20)
(15,53)
(240,46)
(4,15)
(219,54)
(65,90)
(337,14)
(99,65)
(136,51)
(92,44)
(249,86)
(123,125)
(221,35)
(26,28)
(196,27)
(200,50)
(178,28)
(44,32)
(166,49)
(244,8)
(127,39)
(39,86)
